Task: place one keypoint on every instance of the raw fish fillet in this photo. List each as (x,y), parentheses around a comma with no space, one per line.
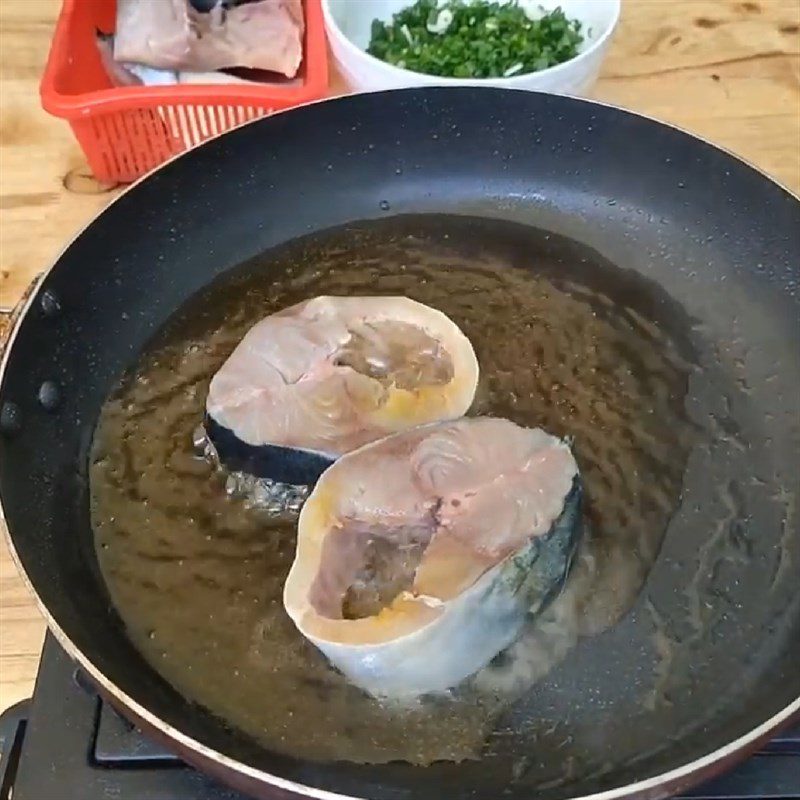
(171,35)
(326,376)
(420,556)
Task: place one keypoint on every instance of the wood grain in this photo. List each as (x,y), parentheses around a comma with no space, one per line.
(726,70)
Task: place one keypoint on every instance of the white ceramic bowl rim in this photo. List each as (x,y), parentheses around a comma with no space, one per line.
(510,81)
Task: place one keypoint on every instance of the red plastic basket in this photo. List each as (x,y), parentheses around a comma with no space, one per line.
(127,131)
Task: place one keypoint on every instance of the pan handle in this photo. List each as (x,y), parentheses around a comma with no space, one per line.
(9,318)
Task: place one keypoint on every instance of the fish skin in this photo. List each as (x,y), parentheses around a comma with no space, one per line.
(280,464)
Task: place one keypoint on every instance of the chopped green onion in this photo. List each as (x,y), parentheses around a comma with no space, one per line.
(475,39)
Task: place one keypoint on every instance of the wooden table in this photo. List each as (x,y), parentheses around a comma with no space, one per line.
(728,71)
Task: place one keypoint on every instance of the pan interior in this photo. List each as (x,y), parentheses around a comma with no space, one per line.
(618,666)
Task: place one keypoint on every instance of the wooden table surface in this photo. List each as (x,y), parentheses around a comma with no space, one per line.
(726,70)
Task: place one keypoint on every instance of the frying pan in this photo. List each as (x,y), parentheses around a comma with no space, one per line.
(720,238)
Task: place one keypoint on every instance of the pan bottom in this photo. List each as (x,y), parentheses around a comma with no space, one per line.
(566,342)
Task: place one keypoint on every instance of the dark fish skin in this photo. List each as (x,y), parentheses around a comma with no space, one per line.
(204,6)
(553,553)
(276,463)
(535,575)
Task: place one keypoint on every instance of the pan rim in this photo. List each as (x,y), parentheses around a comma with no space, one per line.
(679,776)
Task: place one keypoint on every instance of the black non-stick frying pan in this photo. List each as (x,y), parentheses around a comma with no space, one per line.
(720,238)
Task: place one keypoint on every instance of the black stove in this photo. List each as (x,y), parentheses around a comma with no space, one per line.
(66,743)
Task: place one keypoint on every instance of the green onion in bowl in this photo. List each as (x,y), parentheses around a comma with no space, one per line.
(475,39)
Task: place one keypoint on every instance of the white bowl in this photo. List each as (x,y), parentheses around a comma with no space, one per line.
(348,24)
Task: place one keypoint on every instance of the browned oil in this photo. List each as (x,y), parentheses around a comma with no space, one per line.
(565,341)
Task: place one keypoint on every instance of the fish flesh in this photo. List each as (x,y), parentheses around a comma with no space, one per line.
(326,376)
(173,35)
(130,74)
(420,556)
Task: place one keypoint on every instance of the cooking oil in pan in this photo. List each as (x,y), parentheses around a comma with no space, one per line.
(565,342)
